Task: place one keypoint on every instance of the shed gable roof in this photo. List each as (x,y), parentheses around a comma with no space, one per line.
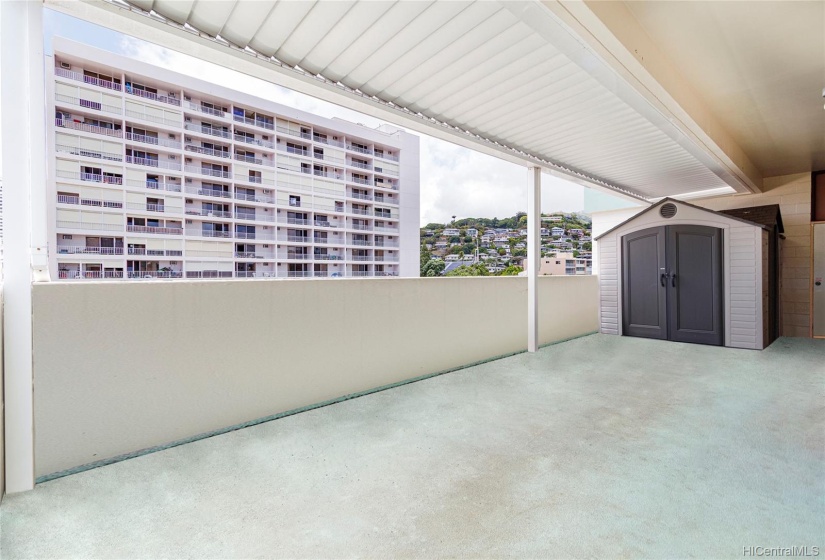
(768,215)
(680,203)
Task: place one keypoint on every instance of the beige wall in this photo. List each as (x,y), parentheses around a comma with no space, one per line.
(793,194)
(120,367)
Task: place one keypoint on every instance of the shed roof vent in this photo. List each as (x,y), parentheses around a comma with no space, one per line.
(668,210)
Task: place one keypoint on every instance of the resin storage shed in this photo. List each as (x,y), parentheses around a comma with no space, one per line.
(679,272)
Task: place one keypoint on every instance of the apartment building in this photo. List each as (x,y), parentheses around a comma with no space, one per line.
(160,175)
(564,264)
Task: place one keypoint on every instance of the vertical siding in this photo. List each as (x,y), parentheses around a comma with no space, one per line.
(744,305)
(608,285)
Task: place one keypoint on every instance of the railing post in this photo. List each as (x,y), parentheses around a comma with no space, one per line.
(533,255)
(24,213)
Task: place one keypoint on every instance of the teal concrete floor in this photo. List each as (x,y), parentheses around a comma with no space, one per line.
(598,447)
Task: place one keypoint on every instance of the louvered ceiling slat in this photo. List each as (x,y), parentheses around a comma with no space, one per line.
(480,66)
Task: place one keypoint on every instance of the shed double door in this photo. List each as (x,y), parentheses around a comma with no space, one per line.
(672,284)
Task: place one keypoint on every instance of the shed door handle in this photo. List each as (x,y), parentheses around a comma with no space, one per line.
(673,279)
(663,279)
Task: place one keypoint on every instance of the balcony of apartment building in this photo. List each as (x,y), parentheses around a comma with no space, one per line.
(167,141)
(254,214)
(359,194)
(294,253)
(319,153)
(199,104)
(359,255)
(153,269)
(136,250)
(87,75)
(206,166)
(207,150)
(252,157)
(387,198)
(202,208)
(253,139)
(208,129)
(255,270)
(81,101)
(360,224)
(328,253)
(327,221)
(209,271)
(254,251)
(386,241)
(253,118)
(154,226)
(77,245)
(88,271)
(155,205)
(388,154)
(208,228)
(143,158)
(292,217)
(384,183)
(295,148)
(254,232)
(79,122)
(358,163)
(296,270)
(294,235)
(160,94)
(155,182)
(359,270)
(69,197)
(207,188)
(385,226)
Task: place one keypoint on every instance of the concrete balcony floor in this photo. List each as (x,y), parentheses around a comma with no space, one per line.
(597,447)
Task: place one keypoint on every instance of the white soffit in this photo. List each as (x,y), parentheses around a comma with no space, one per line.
(509,73)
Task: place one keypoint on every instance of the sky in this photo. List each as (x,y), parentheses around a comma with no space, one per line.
(455,181)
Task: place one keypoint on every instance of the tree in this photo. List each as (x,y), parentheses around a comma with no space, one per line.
(520,253)
(511,270)
(470,270)
(434,226)
(432,268)
(587,246)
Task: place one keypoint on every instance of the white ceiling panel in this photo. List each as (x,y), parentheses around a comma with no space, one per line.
(509,72)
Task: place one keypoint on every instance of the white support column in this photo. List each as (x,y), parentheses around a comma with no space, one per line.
(533,255)
(24,214)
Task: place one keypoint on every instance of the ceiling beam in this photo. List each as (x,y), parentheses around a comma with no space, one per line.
(610,31)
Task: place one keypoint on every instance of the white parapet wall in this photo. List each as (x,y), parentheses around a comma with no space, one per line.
(123,367)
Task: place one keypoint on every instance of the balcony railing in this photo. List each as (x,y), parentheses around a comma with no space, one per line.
(209,274)
(71,199)
(359,149)
(361,211)
(93,177)
(361,243)
(208,192)
(154,274)
(139,251)
(85,152)
(363,227)
(62,72)
(208,171)
(208,110)
(294,221)
(148,162)
(208,213)
(154,140)
(295,256)
(299,274)
(361,196)
(207,151)
(251,255)
(257,217)
(89,274)
(328,141)
(320,240)
(210,130)
(383,171)
(254,274)
(256,161)
(327,157)
(152,118)
(360,165)
(386,229)
(385,258)
(209,233)
(386,156)
(256,180)
(385,185)
(89,225)
(361,258)
(291,150)
(255,141)
(296,133)
(328,257)
(254,122)
(386,215)
(264,236)
(86,104)
(155,229)
(255,197)
(359,181)
(298,239)
(328,174)
(147,207)
(386,244)
(154,185)
(360,273)
(80,250)
(64,123)
(169,100)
